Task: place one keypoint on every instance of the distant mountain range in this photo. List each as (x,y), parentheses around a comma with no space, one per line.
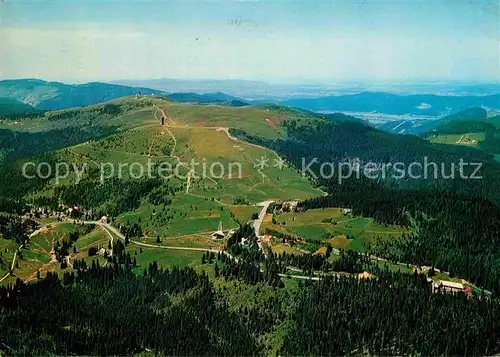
(44,95)
(258,90)
(373,102)
(30,95)
(240,88)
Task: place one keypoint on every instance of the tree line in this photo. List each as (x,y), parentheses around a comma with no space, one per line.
(97,310)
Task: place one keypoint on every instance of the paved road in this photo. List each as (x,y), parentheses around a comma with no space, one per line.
(109,228)
(258,222)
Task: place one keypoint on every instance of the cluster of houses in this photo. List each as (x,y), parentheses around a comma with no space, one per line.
(61,211)
(286,206)
(69,209)
(40,213)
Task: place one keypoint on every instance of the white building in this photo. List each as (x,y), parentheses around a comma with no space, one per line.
(218,234)
(447,286)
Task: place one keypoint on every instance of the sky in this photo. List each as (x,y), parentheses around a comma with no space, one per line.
(279,41)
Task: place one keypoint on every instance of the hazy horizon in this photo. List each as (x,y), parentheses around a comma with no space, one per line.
(306,42)
(287,82)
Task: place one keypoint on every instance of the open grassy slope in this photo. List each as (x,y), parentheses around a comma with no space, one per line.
(38,253)
(221,186)
(327,226)
(475,127)
(123,113)
(467,139)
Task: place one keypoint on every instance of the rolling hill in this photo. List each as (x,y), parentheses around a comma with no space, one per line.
(471,120)
(129,130)
(472,127)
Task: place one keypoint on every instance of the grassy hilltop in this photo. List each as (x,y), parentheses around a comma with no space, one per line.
(185,210)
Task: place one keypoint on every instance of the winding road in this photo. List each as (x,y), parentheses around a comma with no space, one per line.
(258,222)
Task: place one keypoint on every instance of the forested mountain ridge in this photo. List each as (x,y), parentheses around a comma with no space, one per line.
(55,95)
(344,142)
(12,108)
(474,127)
(153,313)
(475,114)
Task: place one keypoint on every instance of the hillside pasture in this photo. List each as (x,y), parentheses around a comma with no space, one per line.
(38,252)
(203,196)
(187,214)
(467,139)
(244,213)
(330,226)
(165,258)
(238,171)
(251,119)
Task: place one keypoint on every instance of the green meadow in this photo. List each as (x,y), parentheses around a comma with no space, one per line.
(468,139)
(165,258)
(331,226)
(225,172)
